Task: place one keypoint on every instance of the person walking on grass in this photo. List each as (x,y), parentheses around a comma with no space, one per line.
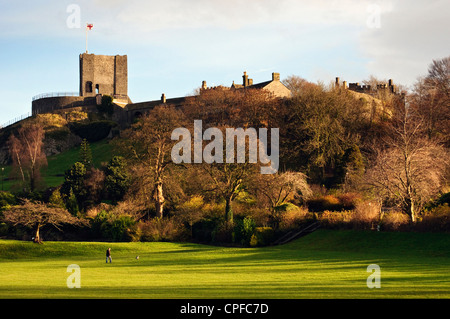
(108,255)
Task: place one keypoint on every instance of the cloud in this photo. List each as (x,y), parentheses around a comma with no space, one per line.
(411,34)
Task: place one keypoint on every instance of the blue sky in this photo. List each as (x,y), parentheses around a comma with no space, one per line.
(173,45)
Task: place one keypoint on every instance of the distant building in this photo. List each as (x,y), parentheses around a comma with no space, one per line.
(389,87)
(274,86)
(108,75)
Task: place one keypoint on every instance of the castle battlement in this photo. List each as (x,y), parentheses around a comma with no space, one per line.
(368,89)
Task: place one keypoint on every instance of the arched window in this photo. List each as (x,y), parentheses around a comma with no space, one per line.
(88,87)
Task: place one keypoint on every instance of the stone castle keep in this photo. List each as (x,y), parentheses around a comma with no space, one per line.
(99,75)
(103,74)
(108,75)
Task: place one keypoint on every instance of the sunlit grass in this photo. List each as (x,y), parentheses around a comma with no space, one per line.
(325,264)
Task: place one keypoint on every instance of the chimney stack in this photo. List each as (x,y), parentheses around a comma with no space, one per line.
(245,79)
(163,98)
(275,76)
(204,87)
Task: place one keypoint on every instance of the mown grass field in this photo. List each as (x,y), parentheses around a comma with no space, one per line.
(325,264)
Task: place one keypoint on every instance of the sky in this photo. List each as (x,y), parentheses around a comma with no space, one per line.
(174,45)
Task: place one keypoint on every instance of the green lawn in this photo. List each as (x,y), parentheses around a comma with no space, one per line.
(325,264)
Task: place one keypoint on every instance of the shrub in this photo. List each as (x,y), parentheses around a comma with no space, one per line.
(59,134)
(292,218)
(190,211)
(51,121)
(394,220)
(366,215)
(6,199)
(223,233)
(323,203)
(349,201)
(119,229)
(262,236)
(437,219)
(203,230)
(3,229)
(107,105)
(75,116)
(444,198)
(161,229)
(260,215)
(334,220)
(244,229)
(114,227)
(92,131)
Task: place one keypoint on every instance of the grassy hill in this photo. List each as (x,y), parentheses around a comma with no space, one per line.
(53,174)
(57,164)
(325,264)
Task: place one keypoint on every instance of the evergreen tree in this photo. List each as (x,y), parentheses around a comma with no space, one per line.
(85,154)
(117,179)
(71,203)
(56,199)
(74,179)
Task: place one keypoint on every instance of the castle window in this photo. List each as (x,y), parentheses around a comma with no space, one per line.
(88,87)
(97,89)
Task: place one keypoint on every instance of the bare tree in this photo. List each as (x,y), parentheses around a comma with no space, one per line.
(277,190)
(430,99)
(26,150)
(149,143)
(37,215)
(227,182)
(280,188)
(408,167)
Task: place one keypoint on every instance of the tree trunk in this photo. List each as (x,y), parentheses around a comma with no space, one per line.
(159,199)
(37,238)
(228,210)
(32,180)
(410,210)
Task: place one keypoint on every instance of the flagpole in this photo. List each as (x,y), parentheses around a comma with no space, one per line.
(86,38)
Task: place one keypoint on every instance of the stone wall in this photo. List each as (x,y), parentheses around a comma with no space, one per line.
(52,104)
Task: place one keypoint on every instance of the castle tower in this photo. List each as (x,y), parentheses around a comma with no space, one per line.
(103,74)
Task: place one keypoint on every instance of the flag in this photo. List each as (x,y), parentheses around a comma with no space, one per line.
(89,26)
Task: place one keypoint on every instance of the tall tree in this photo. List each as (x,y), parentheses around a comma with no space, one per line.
(26,150)
(117,180)
(227,182)
(317,126)
(222,109)
(147,146)
(430,100)
(408,167)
